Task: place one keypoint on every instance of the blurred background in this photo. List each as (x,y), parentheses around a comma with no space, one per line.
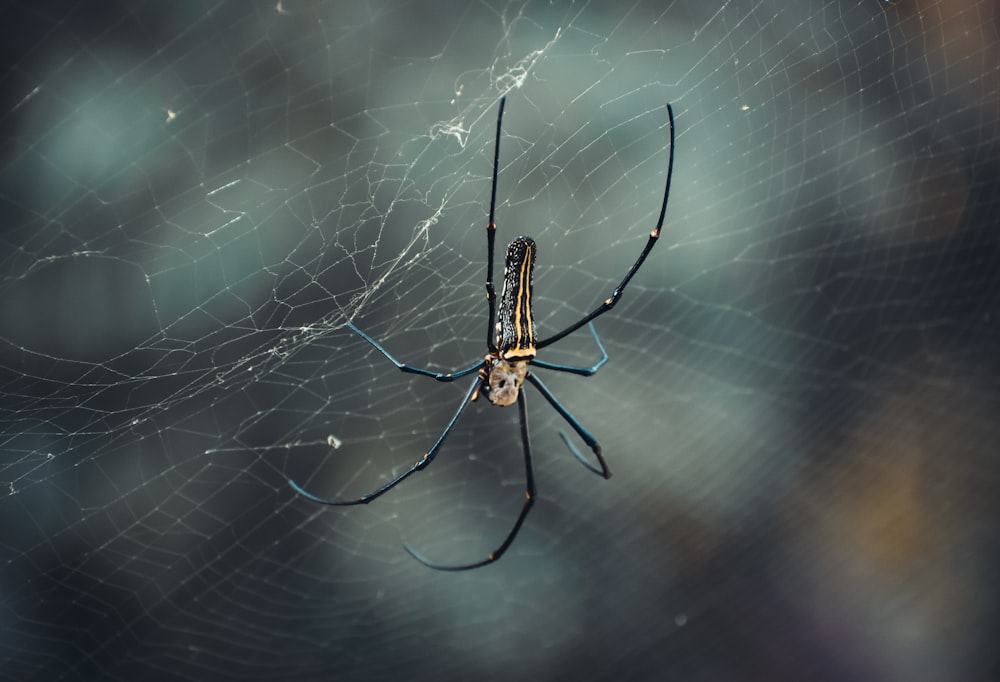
(800,402)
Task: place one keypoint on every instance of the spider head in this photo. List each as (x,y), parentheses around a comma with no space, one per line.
(505,379)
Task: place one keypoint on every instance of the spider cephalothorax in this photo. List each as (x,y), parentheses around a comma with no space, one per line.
(504,379)
(511,346)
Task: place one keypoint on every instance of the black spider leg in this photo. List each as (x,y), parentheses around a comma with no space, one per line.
(529,500)
(419,465)
(584,434)
(491,234)
(610,302)
(440,376)
(582,371)
(427,458)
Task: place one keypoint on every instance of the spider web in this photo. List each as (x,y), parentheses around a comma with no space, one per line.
(800,401)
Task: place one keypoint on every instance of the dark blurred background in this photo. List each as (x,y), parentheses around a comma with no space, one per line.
(800,403)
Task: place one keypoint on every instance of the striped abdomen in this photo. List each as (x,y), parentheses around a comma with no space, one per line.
(515,324)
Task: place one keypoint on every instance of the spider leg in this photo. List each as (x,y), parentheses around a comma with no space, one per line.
(419,465)
(582,371)
(610,302)
(576,426)
(491,234)
(440,376)
(529,500)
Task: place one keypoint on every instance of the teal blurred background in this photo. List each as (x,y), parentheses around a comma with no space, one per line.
(799,405)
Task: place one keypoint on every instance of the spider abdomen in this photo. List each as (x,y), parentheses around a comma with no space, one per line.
(515,323)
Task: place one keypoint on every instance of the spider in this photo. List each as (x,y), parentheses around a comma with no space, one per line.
(511,348)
